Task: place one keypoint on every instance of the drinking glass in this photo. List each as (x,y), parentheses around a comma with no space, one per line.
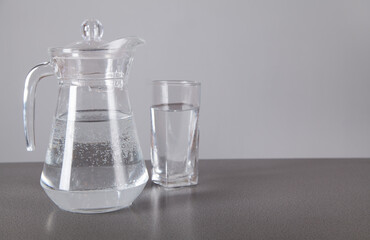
(175,132)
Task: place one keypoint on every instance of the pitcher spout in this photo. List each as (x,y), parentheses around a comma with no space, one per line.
(125,44)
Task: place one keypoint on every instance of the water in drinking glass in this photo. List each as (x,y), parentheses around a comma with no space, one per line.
(174,150)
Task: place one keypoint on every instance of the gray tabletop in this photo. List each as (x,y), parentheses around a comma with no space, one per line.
(235,199)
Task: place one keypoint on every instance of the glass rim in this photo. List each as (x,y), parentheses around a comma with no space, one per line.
(176,82)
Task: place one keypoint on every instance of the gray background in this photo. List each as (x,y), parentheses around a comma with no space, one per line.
(279,78)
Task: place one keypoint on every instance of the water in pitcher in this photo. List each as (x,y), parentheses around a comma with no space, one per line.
(174,146)
(94,161)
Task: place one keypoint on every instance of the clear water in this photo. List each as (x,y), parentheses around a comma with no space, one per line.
(175,137)
(94,162)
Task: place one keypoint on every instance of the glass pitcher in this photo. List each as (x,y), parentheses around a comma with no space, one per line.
(94,161)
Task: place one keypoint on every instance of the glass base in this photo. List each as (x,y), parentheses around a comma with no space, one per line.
(98,210)
(98,201)
(175,181)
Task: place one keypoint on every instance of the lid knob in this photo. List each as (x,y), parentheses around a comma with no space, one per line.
(92,30)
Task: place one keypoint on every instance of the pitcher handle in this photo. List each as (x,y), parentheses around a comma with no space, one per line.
(37,73)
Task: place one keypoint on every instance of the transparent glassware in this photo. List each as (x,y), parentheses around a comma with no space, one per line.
(94,161)
(175,133)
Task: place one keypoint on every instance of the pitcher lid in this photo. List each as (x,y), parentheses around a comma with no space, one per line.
(92,45)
